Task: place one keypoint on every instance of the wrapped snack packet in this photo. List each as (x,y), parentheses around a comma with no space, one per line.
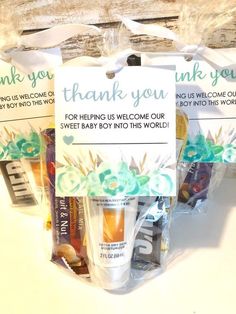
(17,183)
(151,242)
(68,225)
(196,183)
(23,182)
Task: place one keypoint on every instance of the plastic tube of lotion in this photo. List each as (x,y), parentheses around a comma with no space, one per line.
(110,227)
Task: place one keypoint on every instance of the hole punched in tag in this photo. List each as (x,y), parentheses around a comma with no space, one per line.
(188,58)
(110,75)
(132,60)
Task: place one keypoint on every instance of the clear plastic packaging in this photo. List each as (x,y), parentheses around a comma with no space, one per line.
(67,213)
(22,119)
(231,170)
(124,239)
(197,183)
(27,106)
(114,242)
(207,149)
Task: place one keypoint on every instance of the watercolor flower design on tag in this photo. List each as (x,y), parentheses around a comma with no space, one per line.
(15,146)
(201,149)
(106,179)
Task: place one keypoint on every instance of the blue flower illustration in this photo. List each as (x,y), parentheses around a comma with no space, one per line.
(161,182)
(199,149)
(69,181)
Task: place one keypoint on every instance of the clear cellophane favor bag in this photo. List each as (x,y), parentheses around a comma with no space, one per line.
(28,62)
(211,136)
(144,221)
(117,241)
(198,180)
(20,139)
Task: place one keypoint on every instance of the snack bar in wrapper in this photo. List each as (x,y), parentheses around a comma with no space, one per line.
(68,226)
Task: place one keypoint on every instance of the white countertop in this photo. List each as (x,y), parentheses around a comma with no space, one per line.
(201,278)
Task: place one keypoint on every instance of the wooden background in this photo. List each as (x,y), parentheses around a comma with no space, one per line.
(41,14)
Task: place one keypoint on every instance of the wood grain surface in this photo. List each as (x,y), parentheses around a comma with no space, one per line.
(94,46)
(40,14)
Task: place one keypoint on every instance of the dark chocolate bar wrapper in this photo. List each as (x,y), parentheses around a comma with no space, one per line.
(68,225)
(17,183)
(196,184)
(147,246)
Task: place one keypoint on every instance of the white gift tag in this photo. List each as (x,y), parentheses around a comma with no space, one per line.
(207,94)
(115,136)
(26,102)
